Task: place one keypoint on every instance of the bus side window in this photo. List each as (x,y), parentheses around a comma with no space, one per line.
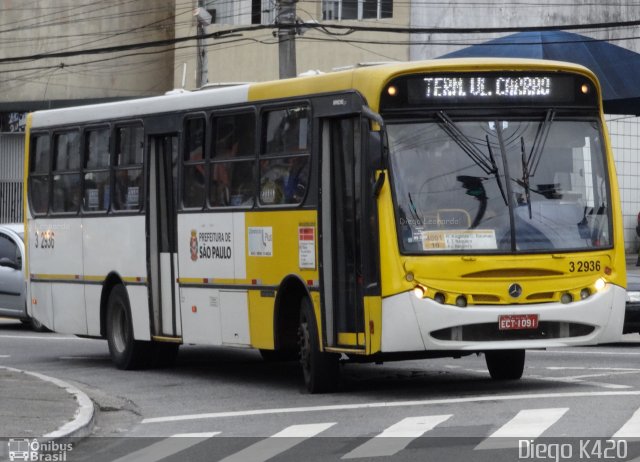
(284,159)
(194,166)
(97,160)
(128,168)
(233,161)
(66,172)
(39,178)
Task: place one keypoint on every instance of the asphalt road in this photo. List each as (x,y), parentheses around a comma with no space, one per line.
(231,404)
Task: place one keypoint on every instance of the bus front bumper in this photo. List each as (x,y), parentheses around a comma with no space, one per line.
(413,324)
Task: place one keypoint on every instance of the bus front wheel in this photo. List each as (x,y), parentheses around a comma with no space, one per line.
(505,364)
(126,352)
(321,371)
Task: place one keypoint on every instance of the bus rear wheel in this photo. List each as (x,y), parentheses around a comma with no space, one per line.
(126,352)
(505,364)
(321,371)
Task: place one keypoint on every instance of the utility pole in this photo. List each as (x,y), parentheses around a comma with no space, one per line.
(203,19)
(287,39)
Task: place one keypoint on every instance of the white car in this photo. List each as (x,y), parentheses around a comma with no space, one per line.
(13,303)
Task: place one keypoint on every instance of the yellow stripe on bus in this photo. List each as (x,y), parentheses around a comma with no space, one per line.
(77,277)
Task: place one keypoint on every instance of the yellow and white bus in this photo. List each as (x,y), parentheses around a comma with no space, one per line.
(418,210)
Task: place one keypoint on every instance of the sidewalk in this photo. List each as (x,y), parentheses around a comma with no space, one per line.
(34,405)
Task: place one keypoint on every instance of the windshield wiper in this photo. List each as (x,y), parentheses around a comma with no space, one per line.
(525,177)
(412,208)
(495,171)
(487,164)
(465,143)
(539,141)
(530,163)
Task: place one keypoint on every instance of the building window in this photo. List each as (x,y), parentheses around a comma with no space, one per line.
(338,10)
(240,12)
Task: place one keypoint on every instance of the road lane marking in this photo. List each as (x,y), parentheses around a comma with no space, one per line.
(397,437)
(163,449)
(389,404)
(585,351)
(278,443)
(45,337)
(578,379)
(631,429)
(5,356)
(528,423)
(584,368)
(195,435)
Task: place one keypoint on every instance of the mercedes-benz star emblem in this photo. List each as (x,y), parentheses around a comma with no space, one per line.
(515,290)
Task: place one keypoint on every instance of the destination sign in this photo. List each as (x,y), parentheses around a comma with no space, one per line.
(495,89)
(484,87)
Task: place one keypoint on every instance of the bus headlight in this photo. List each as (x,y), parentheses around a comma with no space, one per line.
(566,298)
(439,298)
(584,293)
(461,301)
(420,292)
(600,284)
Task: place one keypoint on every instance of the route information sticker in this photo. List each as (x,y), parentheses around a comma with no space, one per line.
(471,239)
(307,247)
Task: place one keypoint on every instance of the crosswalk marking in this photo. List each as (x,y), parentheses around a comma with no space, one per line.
(528,423)
(165,448)
(278,443)
(631,429)
(396,437)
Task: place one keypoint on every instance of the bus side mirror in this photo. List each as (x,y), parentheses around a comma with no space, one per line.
(376,141)
(375,151)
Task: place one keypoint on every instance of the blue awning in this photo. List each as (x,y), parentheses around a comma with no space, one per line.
(617,68)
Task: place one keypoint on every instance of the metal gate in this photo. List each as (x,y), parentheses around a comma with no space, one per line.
(11,176)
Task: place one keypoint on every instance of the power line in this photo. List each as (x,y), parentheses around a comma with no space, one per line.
(328,28)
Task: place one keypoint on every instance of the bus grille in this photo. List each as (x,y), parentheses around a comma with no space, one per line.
(489,332)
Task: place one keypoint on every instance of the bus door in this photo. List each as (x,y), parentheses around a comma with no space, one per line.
(162,230)
(341,226)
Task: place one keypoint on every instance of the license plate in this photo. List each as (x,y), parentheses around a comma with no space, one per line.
(518,321)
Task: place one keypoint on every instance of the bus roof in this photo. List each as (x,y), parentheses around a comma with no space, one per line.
(367,80)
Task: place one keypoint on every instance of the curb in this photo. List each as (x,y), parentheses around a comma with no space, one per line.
(83,420)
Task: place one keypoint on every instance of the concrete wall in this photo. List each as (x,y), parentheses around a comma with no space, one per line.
(510,13)
(46,26)
(254,55)
(624,131)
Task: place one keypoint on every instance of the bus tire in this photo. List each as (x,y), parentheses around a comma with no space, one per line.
(505,364)
(126,352)
(321,371)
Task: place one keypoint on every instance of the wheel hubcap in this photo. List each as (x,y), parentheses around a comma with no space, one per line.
(119,329)
(304,347)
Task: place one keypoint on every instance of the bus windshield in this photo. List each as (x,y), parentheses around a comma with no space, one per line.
(500,185)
